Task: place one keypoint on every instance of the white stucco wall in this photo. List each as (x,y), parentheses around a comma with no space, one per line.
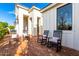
(16,14)
(34,14)
(70,38)
(32,24)
(76,25)
(20,14)
(49,21)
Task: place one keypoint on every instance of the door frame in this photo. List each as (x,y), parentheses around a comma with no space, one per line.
(38,19)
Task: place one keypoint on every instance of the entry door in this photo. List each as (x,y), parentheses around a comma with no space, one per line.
(25,24)
(38,26)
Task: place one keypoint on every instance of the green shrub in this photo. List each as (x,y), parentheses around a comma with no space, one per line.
(4,29)
(1,35)
(11,27)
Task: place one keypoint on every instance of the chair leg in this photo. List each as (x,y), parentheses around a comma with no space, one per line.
(41,41)
(57,48)
(44,41)
(49,45)
(60,47)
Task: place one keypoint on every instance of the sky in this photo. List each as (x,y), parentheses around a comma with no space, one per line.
(7,10)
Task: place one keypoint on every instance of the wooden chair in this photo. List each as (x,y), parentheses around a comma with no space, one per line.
(56,40)
(43,38)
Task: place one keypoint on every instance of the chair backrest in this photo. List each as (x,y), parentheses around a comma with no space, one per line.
(46,32)
(57,33)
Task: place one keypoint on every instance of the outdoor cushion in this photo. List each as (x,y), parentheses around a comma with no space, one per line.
(40,37)
(54,39)
(44,36)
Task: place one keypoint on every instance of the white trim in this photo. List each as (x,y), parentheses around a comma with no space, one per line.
(48,7)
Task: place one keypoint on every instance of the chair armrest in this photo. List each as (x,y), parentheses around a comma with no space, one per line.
(40,36)
(59,40)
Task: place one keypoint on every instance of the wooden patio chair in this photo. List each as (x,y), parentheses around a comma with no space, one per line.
(56,40)
(43,38)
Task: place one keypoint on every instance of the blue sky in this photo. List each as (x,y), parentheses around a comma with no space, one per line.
(7,10)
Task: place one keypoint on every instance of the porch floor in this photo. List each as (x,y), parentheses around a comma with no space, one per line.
(36,49)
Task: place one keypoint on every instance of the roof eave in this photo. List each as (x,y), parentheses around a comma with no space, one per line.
(50,6)
(25,8)
(33,7)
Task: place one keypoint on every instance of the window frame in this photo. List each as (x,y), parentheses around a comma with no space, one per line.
(70,16)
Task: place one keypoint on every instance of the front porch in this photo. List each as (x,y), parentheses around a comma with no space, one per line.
(34,49)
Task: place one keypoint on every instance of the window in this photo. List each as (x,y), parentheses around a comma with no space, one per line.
(64,17)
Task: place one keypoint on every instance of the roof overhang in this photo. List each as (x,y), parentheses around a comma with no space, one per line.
(25,8)
(19,6)
(50,6)
(33,7)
